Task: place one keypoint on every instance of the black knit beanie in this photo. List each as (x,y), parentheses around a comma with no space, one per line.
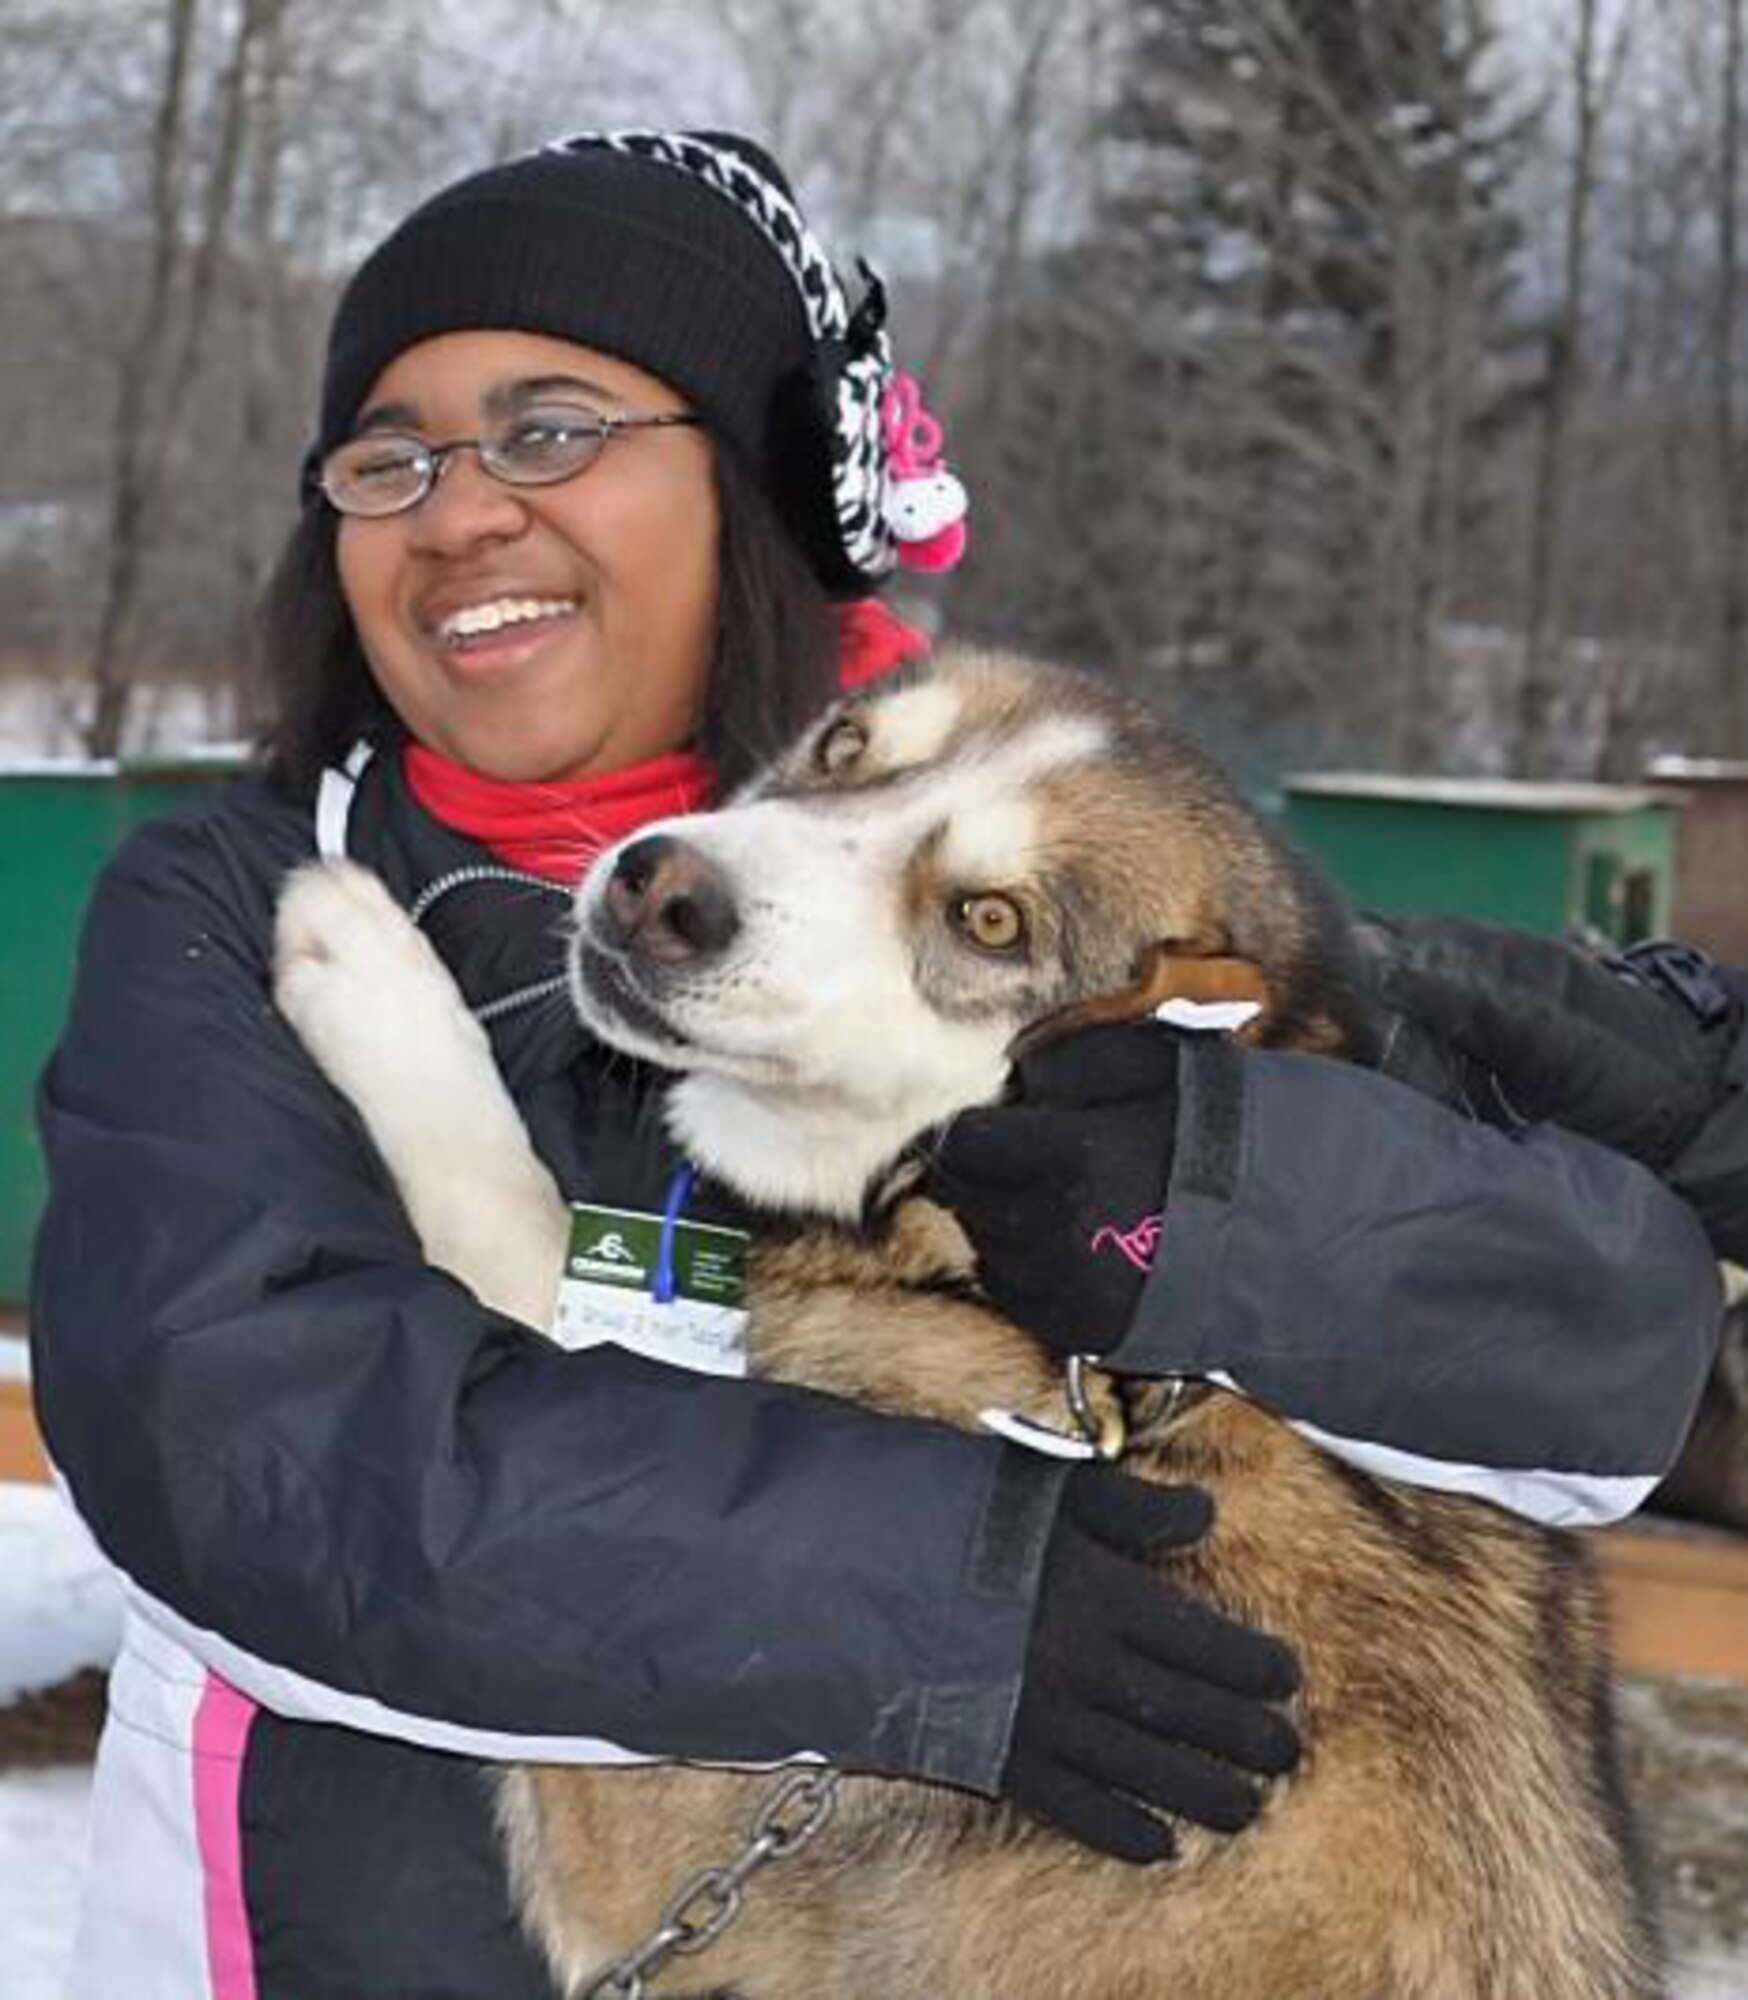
(682,253)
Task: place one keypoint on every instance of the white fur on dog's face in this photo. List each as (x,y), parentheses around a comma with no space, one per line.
(851,1011)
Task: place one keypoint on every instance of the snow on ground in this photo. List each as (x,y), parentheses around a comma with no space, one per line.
(1712,1978)
(40,718)
(36,719)
(60,1608)
(42,1856)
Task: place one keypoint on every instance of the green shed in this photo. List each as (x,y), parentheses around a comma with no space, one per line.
(59,822)
(1568,859)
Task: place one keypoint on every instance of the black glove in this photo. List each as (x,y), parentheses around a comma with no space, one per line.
(1137,1698)
(1060,1187)
(1625,1051)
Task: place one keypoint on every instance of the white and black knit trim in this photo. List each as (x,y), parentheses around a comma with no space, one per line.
(859,470)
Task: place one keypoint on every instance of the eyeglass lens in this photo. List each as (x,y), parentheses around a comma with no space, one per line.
(386,474)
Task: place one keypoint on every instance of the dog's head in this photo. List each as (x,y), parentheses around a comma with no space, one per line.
(847,952)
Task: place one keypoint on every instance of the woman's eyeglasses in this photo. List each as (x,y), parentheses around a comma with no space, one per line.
(386,472)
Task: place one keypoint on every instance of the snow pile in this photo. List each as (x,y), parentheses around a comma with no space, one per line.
(41,718)
(60,1610)
(60,1605)
(1711,1976)
(42,1858)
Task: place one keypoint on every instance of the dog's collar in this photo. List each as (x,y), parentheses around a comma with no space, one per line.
(890,1187)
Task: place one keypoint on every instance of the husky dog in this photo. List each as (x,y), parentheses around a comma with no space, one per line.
(841,958)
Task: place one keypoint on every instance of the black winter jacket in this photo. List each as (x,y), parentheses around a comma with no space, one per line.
(374,1535)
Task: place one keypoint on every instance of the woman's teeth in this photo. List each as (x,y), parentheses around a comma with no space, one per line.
(478,619)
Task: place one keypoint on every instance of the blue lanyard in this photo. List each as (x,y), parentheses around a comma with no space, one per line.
(679,1193)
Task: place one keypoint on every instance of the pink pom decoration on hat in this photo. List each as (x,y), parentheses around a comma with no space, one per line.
(925,506)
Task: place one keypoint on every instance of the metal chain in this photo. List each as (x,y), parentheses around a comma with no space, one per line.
(791,1815)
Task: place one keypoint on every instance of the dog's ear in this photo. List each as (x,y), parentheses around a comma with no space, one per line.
(1174,969)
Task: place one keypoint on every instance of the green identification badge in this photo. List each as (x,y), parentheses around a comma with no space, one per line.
(613,1286)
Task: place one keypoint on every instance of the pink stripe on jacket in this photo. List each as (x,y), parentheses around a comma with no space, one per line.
(221,1740)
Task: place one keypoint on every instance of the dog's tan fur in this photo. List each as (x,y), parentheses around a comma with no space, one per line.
(1451,1834)
(1455,1831)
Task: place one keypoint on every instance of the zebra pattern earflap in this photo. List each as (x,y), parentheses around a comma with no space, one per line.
(850,373)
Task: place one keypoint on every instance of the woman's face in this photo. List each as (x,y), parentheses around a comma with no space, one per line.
(538,632)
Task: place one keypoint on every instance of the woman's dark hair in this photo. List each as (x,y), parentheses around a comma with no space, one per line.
(776,644)
(776,663)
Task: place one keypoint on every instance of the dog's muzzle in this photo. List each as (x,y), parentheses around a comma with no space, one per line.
(666,903)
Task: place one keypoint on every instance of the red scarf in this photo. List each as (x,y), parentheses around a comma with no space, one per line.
(555,830)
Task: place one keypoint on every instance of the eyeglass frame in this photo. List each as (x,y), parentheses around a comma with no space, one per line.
(435,458)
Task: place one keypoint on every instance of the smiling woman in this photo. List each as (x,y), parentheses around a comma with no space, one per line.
(609,467)
(533,631)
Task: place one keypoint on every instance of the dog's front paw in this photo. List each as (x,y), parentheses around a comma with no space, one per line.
(375,1006)
(334,912)
(359,981)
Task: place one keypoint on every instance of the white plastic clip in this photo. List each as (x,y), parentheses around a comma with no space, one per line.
(1214,1017)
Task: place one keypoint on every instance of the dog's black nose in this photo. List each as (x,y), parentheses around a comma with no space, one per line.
(665,901)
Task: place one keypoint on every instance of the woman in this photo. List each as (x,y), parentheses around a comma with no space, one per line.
(602,441)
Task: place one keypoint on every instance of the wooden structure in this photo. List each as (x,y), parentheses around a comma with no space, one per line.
(21,1452)
(1711,852)
(1680,1600)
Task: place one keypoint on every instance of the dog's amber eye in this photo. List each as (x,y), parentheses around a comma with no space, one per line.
(991,922)
(841,745)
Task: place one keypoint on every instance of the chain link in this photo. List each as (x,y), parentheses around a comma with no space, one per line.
(792,1814)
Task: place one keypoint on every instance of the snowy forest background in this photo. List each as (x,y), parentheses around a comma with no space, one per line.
(1367,378)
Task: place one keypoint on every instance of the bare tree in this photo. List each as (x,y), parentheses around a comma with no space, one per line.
(1594,76)
(1299,297)
(131,487)
(1729,419)
(180,204)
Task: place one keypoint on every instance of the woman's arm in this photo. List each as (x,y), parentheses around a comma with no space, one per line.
(1525,1317)
(1520,1315)
(363,1496)
(1647,1053)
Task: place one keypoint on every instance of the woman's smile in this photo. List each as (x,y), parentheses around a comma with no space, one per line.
(496,616)
(496,634)
(500,649)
